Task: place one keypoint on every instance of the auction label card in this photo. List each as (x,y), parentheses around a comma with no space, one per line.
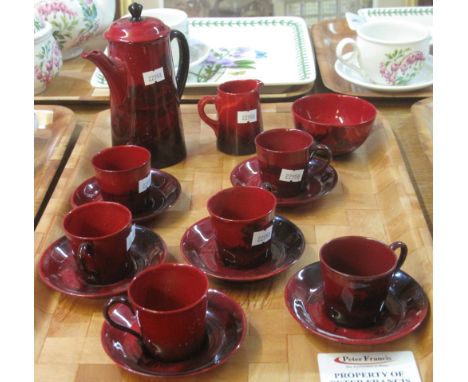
(131,237)
(153,76)
(261,237)
(247,116)
(397,366)
(145,183)
(291,175)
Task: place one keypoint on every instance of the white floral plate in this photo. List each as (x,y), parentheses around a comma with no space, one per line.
(422,80)
(276,50)
(420,15)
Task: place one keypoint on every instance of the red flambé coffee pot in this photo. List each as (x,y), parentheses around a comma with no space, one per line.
(144,90)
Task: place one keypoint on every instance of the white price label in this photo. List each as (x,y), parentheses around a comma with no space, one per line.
(291,175)
(153,76)
(247,116)
(261,237)
(131,237)
(143,184)
(399,366)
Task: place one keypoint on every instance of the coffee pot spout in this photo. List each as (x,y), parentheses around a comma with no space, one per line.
(113,70)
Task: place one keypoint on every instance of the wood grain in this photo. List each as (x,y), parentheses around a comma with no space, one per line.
(422,114)
(418,166)
(326,35)
(50,144)
(374,197)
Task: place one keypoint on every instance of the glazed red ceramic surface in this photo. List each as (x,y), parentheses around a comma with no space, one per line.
(198,246)
(145,91)
(124,175)
(170,301)
(242,220)
(339,121)
(58,270)
(99,234)
(357,274)
(404,311)
(163,193)
(283,156)
(225,329)
(320,180)
(239,115)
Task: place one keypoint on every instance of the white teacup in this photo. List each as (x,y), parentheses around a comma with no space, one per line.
(389,52)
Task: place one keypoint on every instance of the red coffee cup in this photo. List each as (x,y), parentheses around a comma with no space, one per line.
(357,274)
(100,235)
(242,219)
(124,175)
(170,302)
(284,157)
(239,115)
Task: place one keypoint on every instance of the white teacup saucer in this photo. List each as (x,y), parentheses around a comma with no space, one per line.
(422,80)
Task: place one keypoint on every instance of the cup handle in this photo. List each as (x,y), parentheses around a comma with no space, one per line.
(325,149)
(85,251)
(184,60)
(347,60)
(403,252)
(201,111)
(124,301)
(268,186)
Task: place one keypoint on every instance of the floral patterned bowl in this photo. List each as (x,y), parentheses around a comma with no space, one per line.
(341,122)
(47,55)
(74,22)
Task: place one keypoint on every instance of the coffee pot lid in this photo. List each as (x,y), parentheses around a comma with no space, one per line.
(136,28)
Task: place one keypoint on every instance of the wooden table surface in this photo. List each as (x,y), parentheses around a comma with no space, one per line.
(377,195)
(50,145)
(413,149)
(422,116)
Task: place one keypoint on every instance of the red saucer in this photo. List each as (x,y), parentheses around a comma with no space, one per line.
(225,330)
(405,309)
(199,248)
(57,267)
(164,192)
(321,180)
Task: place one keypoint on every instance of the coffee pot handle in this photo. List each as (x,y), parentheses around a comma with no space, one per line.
(269,187)
(124,301)
(184,60)
(201,111)
(403,252)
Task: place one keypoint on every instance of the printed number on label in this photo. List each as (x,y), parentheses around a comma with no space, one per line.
(291,175)
(247,116)
(153,76)
(261,237)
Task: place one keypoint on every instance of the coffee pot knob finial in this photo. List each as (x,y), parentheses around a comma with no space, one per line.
(135,10)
